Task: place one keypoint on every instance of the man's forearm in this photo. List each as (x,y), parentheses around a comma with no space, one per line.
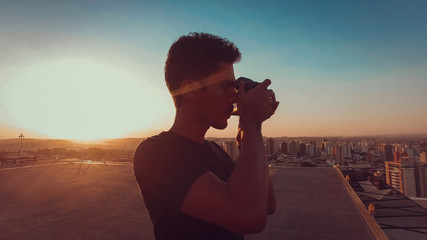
(249,180)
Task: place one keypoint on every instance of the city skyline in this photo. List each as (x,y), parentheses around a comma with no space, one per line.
(94,70)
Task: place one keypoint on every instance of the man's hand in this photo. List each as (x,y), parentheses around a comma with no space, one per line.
(256,105)
(264,99)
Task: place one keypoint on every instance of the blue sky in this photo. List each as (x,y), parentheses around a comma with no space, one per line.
(338,67)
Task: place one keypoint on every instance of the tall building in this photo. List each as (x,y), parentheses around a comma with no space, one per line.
(423,181)
(284,147)
(323,145)
(408,182)
(364,146)
(396,156)
(301,148)
(401,177)
(329,148)
(393,174)
(397,148)
(409,151)
(346,150)
(355,147)
(423,157)
(310,149)
(421,176)
(386,152)
(270,146)
(293,148)
(231,148)
(339,156)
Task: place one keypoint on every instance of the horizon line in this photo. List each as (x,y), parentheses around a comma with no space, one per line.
(323,136)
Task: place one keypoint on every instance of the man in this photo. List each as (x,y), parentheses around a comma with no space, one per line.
(190,187)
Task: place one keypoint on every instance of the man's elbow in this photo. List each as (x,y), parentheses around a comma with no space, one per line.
(252,224)
(271,209)
(258,226)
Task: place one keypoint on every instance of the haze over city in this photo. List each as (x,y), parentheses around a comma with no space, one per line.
(94,69)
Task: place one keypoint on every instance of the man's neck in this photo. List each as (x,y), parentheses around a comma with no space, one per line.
(189,127)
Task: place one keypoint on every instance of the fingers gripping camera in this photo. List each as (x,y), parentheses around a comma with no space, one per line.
(250,84)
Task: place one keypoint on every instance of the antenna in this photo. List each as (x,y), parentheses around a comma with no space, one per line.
(21,137)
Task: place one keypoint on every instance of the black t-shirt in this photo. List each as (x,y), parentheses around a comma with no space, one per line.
(165,167)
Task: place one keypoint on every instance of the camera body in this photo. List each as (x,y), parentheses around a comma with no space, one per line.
(249,83)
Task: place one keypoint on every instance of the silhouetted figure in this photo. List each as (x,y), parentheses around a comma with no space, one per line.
(190,186)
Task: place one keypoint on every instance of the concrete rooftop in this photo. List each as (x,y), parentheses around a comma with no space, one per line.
(102,201)
(314,203)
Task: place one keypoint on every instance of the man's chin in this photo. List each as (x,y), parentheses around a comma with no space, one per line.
(220,126)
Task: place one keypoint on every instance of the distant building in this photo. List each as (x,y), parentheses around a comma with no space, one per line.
(293,148)
(360,165)
(421,176)
(339,155)
(409,151)
(231,148)
(386,152)
(422,171)
(401,177)
(323,145)
(310,149)
(364,146)
(396,156)
(329,148)
(284,147)
(301,148)
(393,174)
(346,150)
(423,157)
(18,158)
(270,146)
(408,181)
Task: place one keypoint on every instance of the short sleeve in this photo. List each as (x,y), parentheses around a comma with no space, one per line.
(165,173)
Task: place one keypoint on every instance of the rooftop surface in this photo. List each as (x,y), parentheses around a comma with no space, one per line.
(71,201)
(313,203)
(400,217)
(89,200)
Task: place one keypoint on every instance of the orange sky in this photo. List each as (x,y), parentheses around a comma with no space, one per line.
(90,70)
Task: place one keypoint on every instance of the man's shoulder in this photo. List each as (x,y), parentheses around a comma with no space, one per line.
(152,150)
(216,147)
(153,143)
(162,138)
(162,144)
(213,144)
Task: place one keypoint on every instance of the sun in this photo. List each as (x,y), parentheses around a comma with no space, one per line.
(83,99)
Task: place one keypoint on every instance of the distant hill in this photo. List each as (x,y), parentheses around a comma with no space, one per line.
(130,144)
(403,135)
(33,144)
(121,143)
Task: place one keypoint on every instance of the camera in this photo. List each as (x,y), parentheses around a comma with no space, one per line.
(249,83)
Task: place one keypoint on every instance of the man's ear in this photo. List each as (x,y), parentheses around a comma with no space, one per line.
(189,89)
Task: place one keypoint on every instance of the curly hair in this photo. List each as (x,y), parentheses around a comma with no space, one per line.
(196,56)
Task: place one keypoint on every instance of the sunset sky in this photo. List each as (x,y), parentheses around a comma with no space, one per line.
(94,69)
